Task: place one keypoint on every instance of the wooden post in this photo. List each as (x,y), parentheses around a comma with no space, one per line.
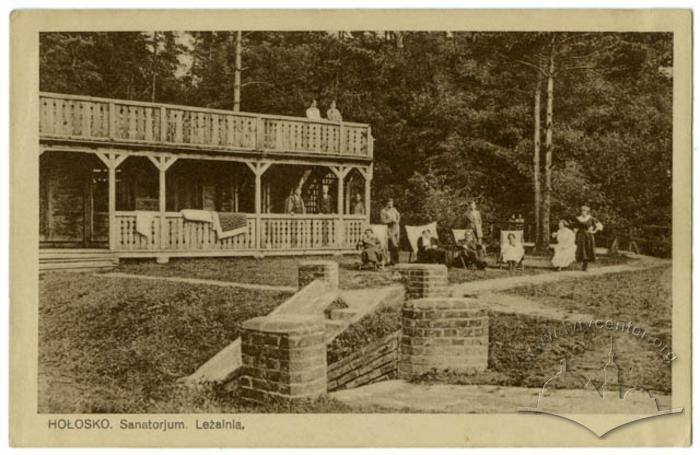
(112,207)
(340,172)
(112,160)
(163,124)
(260,134)
(370,142)
(162,163)
(258,169)
(341,139)
(368,191)
(112,121)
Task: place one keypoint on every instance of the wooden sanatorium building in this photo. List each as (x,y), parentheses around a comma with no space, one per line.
(118,178)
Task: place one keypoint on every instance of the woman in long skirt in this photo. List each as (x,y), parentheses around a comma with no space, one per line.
(565,248)
(586,227)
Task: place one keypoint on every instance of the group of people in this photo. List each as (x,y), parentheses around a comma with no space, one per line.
(575,241)
(471,250)
(332,114)
(294,204)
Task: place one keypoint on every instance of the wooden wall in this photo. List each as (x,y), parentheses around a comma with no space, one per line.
(68,186)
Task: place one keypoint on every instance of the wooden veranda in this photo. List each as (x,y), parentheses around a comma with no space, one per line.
(105,161)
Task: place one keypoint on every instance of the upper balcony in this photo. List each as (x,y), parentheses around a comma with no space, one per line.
(183,128)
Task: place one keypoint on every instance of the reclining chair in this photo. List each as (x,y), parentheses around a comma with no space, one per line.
(413,233)
(519,237)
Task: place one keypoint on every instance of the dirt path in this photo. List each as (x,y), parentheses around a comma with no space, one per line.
(230,284)
(400,395)
(502,284)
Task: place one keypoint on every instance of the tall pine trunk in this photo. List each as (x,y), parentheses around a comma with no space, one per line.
(548,147)
(237,73)
(540,245)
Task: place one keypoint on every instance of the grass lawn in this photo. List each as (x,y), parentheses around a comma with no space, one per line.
(521,354)
(282,270)
(116,345)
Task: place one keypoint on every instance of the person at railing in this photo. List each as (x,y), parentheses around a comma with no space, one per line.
(312,111)
(565,248)
(358,207)
(391,217)
(371,249)
(325,202)
(429,251)
(333,114)
(474,222)
(294,205)
(586,227)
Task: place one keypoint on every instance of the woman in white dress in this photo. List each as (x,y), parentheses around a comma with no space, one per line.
(565,248)
(512,252)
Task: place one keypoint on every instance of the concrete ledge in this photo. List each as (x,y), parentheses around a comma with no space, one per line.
(297,324)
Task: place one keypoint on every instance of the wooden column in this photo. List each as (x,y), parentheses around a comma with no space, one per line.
(112,160)
(340,172)
(162,163)
(367,174)
(368,191)
(258,169)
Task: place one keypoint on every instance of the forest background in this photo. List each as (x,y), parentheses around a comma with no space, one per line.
(534,124)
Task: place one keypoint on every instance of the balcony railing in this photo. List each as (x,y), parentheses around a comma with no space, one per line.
(72,117)
(277,233)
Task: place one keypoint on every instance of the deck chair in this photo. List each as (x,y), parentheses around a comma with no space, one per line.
(458,236)
(519,237)
(379,231)
(413,233)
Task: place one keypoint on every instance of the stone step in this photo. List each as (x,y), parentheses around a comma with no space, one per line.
(342,314)
(77,266)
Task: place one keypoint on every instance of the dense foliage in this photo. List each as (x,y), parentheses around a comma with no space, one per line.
(452,114)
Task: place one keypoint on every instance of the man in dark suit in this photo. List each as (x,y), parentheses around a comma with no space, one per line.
(295,204)
(429,251)
(325,202)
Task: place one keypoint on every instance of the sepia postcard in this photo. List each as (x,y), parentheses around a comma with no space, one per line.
(385,228)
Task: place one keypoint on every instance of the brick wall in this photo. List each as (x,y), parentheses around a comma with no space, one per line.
(318,270)
(443,333)
(283,357)
(424,280)
(373,363)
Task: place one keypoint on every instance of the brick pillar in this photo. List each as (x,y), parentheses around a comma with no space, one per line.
(318,270)
(283,357)
(443,333)
(424,280)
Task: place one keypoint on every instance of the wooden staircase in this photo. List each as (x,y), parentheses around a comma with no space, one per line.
(76,260)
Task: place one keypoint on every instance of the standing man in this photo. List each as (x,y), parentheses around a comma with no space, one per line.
(295,204)
(312,112)
(358,207)
(474,222)
(325,203)
(391,217)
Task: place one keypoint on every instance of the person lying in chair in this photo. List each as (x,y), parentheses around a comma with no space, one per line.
(371,249)
(472,253)
(429,251)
